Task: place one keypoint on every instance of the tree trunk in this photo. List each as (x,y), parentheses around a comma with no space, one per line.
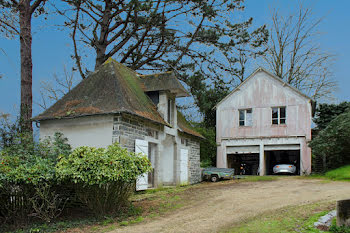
(26,65)
(102,43)
(100,55)
(343,213)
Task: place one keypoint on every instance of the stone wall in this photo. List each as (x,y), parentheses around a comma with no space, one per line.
(127,128)
(194,160)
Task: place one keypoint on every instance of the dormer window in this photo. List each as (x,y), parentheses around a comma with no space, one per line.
(170,115)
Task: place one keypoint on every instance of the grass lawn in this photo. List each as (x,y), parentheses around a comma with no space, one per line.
(339,174)
(288,219)
(342,173)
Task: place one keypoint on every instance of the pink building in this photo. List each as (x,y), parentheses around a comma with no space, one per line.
(264,122)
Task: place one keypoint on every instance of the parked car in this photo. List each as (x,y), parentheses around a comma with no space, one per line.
(214,174)
(284,169)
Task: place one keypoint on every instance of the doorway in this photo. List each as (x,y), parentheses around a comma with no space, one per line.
(152,150)
(244,164)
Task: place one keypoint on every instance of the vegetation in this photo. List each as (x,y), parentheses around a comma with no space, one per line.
(41,180)
(27,178)
(333,143)
(207,146)
(325,113)
(342,173)
(288,219)
(104,179)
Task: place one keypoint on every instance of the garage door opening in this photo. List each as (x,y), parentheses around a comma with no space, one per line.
(244,164)
(282,157)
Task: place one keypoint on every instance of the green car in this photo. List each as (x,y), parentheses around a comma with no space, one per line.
(214,174)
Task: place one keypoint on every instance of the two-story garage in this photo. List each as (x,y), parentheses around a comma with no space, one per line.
(262,123)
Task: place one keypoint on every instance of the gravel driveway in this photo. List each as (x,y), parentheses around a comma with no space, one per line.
(228,203)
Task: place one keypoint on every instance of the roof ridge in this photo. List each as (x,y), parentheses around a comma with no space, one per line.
(165,72)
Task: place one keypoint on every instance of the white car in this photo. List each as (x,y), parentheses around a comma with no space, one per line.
(284,168)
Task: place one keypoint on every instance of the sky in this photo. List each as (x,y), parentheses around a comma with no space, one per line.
(52,49)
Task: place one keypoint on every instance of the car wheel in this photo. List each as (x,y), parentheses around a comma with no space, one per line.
(214,178)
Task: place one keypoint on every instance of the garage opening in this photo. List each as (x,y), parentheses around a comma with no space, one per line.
(244,164)
(282,157)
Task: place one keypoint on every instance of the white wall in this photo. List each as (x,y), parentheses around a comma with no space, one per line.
(167,160)
(261,93)
(93,131)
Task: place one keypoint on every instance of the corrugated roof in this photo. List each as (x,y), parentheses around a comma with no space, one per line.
(185,126)
(164,82)
(112,88)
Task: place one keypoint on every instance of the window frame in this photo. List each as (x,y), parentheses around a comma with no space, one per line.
(245,110)
(279,118)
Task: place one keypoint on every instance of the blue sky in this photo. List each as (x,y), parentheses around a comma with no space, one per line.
(52,48)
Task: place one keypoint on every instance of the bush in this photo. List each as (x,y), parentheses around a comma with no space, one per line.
(26,167)
(104,178)
(333,143)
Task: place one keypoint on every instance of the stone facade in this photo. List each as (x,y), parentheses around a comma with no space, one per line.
(194,162)
(127,128)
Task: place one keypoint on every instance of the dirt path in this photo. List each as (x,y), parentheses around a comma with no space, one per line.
(231,203)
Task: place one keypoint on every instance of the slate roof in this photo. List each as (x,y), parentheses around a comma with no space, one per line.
(164,82)
(112,88)
(185,126)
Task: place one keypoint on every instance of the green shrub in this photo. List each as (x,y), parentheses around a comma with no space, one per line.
(104,178)
(333,142)
(26,167)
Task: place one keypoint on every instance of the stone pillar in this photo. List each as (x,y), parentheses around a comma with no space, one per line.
(343,213)
(262,169)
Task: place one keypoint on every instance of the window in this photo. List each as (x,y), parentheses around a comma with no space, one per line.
(279,116)
(245,117)
(170,111)
(184,141)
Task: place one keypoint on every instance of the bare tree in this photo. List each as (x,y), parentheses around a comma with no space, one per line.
(294,53)
(54,89)
(16,20)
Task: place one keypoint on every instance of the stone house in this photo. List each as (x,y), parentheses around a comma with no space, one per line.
(115,104)
(262,123)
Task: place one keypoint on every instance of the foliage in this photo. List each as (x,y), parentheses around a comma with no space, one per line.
(325,113)
(333,142)
(206,96)
(27,172)
(8,130)
(104,178)
(342,173)
(342,229)
(28,162)
(91,166)
(207,146)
